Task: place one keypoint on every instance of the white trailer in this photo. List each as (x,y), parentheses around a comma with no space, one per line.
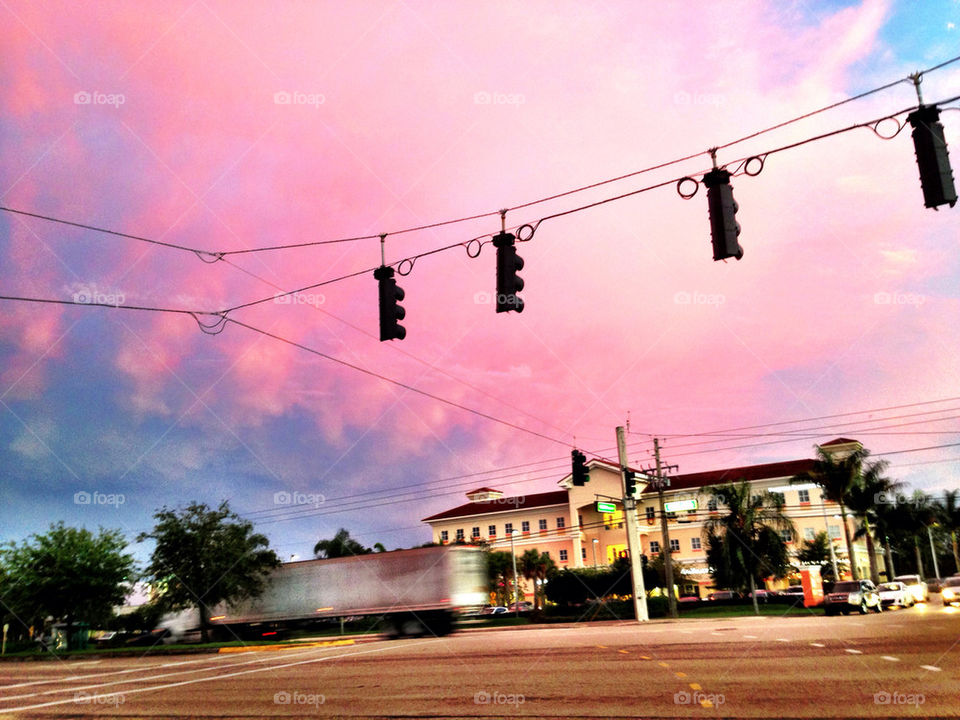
(415,590)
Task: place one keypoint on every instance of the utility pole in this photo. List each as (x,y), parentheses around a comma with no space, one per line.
(633,534)
(660,482)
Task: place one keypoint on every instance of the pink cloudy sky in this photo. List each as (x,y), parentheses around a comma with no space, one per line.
(410,113)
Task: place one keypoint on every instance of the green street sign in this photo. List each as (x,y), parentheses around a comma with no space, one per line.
(680,506)
(606,507)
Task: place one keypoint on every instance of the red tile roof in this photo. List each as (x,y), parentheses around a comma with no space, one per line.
(519,502)
(785,469)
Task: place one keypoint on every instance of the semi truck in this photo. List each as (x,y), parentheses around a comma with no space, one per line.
(416,592)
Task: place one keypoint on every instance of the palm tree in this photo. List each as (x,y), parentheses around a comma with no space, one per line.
(538,567)
(950,519)
(872,488)
(836,476)
(744,544)
(885,519)
(500,576)
(340,545)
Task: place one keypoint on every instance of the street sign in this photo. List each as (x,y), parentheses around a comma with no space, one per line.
(606,507)
(680,506)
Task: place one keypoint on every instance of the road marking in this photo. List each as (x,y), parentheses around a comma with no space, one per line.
(625,652)
(680,674)
(716,633)
(750,637)
(695,686)
(891,658)
(931,668)
(853,652)
(662,664)
(270,648)
(645,657)
(783,639)
(602,646)
(818,644)
(706,703)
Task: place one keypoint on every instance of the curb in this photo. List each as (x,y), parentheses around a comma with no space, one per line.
(287,646)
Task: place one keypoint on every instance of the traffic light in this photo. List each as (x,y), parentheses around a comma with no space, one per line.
(581,474)
(724,227)
(630,482)
(508,282)
(390,310)
(936,177)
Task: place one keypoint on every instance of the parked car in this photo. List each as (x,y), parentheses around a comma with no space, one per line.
(851,595)
(688,599)
(921,593)
(895,593)
(723,595)
(762,595)
(793,590)
(525,606)
(493,610)
(950,592)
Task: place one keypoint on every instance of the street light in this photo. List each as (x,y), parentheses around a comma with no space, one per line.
(516,589)
(595,543)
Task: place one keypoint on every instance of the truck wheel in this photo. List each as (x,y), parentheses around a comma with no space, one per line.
(863,607)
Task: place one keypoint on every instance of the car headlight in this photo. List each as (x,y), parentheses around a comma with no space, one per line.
(948,594)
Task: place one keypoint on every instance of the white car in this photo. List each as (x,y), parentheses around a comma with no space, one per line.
(916,586)
(950,592)
(896,593)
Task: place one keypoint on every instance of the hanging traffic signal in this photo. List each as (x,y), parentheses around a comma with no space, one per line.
(629,482)
(724,227)
(390,310)
(508,282)
(930,145)
(581,475)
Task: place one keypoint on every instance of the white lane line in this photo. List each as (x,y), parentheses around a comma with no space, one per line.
(261,659)
(716,633)
(750,637)
(783,639)
(853,652)
(891,658)
(134,691)
(931,668)
(818,644)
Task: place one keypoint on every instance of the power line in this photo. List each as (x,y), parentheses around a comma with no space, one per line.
(220,254)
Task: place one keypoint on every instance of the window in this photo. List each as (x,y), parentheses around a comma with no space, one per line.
(695,543)
(654,546)
(579,520)
(583,553)
(525,526)
(651,513)
(561,523)
(804,495)
(563,556)
(492,530)
(786,536)
(543,523)
(475,532)
(459,533)
(809,534)
(674,545)
(834,531)
(444,535)
(712,504)
(508,529)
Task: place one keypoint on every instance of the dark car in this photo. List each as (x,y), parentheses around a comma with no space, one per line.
(848,595)
(723,595)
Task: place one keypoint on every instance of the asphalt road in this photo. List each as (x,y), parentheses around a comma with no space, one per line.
(895,664)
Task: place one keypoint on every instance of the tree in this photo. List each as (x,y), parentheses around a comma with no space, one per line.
(836,476)
(817,552)
(67,573)
(744,544)
(537,566)
(949,509)
(871,489)
(205,557)
(500,576)
(340,545)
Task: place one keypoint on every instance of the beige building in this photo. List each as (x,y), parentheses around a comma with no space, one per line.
(566,523)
